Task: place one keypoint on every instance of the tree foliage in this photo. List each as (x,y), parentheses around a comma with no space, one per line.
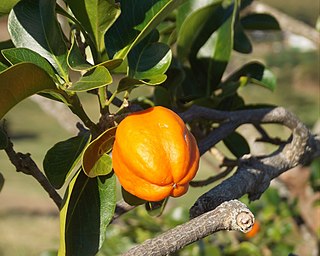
(180,49)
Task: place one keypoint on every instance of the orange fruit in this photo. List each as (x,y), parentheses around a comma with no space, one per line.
(154,154)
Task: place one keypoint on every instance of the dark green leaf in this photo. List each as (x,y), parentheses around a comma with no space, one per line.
(149,58)
(137,19)
(242,43)
(96,17)
(33,25)
(98,78)
(17,55)
(95,160)
(237,144)
(77,62)
(6,6)
(63,157)
(162,97)
(1,181)
(88,208)
(3,139)
(131,199)
(21,81)
(128,83)
(260,21)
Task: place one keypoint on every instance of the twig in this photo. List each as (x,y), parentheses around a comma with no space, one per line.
(25,164)
(232,215)
(210,180)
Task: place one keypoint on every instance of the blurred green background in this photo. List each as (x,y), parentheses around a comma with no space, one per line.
(29,221)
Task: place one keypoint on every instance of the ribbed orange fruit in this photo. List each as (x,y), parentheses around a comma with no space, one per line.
(154,154)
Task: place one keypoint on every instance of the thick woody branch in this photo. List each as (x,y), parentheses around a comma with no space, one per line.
(25,164)
(232,215)
(254,174)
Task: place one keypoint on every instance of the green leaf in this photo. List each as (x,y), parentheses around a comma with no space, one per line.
(63,157)
(162,97)
(149,59)
(33,25)
(21,81)
(260,21)
(242,43)
(255,73)
(128,83)
(268,80)
(6,6)
(78,63)
(2,67)
(1,181)
(155,209)
(17,55)
(137,19)
(237,144)
(131,199)
(3,139)
(198,26)
(96,17)
(223,45)
(95,160)
(98,78)
(88,208)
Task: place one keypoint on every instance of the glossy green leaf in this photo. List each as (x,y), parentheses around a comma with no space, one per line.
(237,144)
(137,19)
(223,45)
(149,60)
(1,181)
(96,17)
(61,159)
(95,160)
(33,24)
(3,139)
(78,63)
(98,78)
(6,6)
(89,205)
(268,80)
(128,83)
(21,81)
(17,55)
(260,21)
(5,45)
(200,24)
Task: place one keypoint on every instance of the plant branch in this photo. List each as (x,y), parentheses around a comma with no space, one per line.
(231,215)
(254,174)
(25,164)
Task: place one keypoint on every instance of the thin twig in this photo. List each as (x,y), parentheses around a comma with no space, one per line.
(25,164)
(210,180)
